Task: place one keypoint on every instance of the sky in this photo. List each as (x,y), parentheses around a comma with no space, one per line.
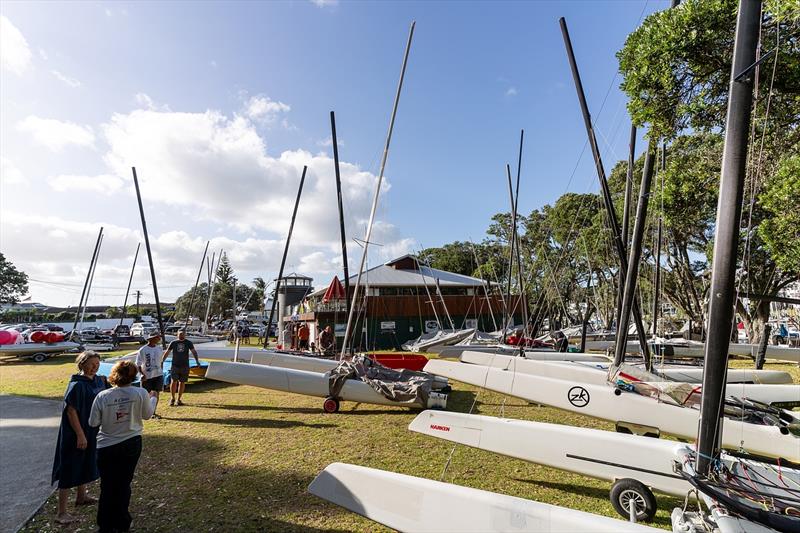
(220,105)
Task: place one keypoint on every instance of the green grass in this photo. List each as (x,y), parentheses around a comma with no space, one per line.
(240,458)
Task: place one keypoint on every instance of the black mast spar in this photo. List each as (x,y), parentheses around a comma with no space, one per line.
(149,259)
(726,235)
(341,212)
(283,259)
(606,192)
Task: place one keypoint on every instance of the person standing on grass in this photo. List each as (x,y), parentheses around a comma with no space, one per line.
(147,362)
(75,462)
(303,333)
(119,412)
(179,371)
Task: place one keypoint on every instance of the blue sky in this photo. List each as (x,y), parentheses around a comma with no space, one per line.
(220,104)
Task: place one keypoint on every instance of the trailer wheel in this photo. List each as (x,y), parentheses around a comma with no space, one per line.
(627,490)
(330,405)
(39,358)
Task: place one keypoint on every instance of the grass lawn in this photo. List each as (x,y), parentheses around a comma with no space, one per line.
(239,458)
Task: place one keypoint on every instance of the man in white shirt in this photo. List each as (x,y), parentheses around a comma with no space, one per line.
(148,361)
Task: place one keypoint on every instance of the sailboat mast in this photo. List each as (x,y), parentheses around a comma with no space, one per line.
(130,280)
(91,281)
(283,260)
(629,294)
(659,233)
(86,283)
(374,209)
(196,283)
(341,212)
(607,200)
(512,242)
(726,235)
(524,299)
(626,212)
(149,259)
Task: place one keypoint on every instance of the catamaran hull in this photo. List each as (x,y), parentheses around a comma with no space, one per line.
(590,452)
(696,349)
(296,381)
(413,504)
(609,403)
(597,373)
(545,354)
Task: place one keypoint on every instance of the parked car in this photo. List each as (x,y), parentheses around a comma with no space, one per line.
(52,327)
(143,329)
(122,333)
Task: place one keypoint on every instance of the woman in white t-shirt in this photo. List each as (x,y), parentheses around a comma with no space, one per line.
(119,413)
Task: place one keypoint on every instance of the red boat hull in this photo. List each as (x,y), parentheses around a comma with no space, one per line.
(399,361)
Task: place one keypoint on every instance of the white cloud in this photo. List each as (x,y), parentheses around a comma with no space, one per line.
(512,91)
(109,13)
(104,183)
(56,134)
(71,82)
(263,108)
(15,55)
(325,3)
(328,142)
(213,63)
(9,173)
(43,54)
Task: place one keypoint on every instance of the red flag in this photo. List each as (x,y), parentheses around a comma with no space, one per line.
(335,291)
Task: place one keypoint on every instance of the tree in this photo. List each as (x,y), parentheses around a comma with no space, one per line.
(113,312)
(224,270)
(454,257)
(13,282)
(781,230)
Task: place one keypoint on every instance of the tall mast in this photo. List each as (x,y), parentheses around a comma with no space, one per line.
(149,259)
(629,295)
(341,212)
(196,283)
(524,299)
(607,200)
(283,259)
(726,235)
(385,156)
(130,280)
(212,282)
(86,283)
(91,280)
(512,242)
(626,211)
(659,231)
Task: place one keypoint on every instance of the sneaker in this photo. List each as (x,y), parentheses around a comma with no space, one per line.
(180,402)
(155,417)
(172,402)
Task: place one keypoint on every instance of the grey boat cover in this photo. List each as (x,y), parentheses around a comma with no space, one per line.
(402,386)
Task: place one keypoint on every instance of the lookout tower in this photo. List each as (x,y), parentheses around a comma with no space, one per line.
(294,287)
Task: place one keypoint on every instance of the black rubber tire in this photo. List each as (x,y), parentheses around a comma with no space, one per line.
(39,358)
(626,489)
(330,405)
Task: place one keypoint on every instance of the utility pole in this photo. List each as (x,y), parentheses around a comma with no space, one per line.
(138,295)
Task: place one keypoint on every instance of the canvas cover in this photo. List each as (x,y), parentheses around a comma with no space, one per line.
(402,386)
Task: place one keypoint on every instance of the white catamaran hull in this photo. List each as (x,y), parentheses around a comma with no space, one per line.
(597,373)
(609,403)
(591,452)
(697,349)
(413,504)
(296,381)
(26,349)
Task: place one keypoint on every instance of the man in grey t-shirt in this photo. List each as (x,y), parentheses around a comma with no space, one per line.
(179,372)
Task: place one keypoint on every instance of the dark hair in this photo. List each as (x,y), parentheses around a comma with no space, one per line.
(123,373)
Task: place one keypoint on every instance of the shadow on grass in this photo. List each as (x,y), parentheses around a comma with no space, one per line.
(346,410)
(664,503)
(190,484)
(207,385)
(460,401)
(250,422)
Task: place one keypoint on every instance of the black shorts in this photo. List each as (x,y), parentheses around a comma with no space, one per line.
(153,384)
(180,373)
